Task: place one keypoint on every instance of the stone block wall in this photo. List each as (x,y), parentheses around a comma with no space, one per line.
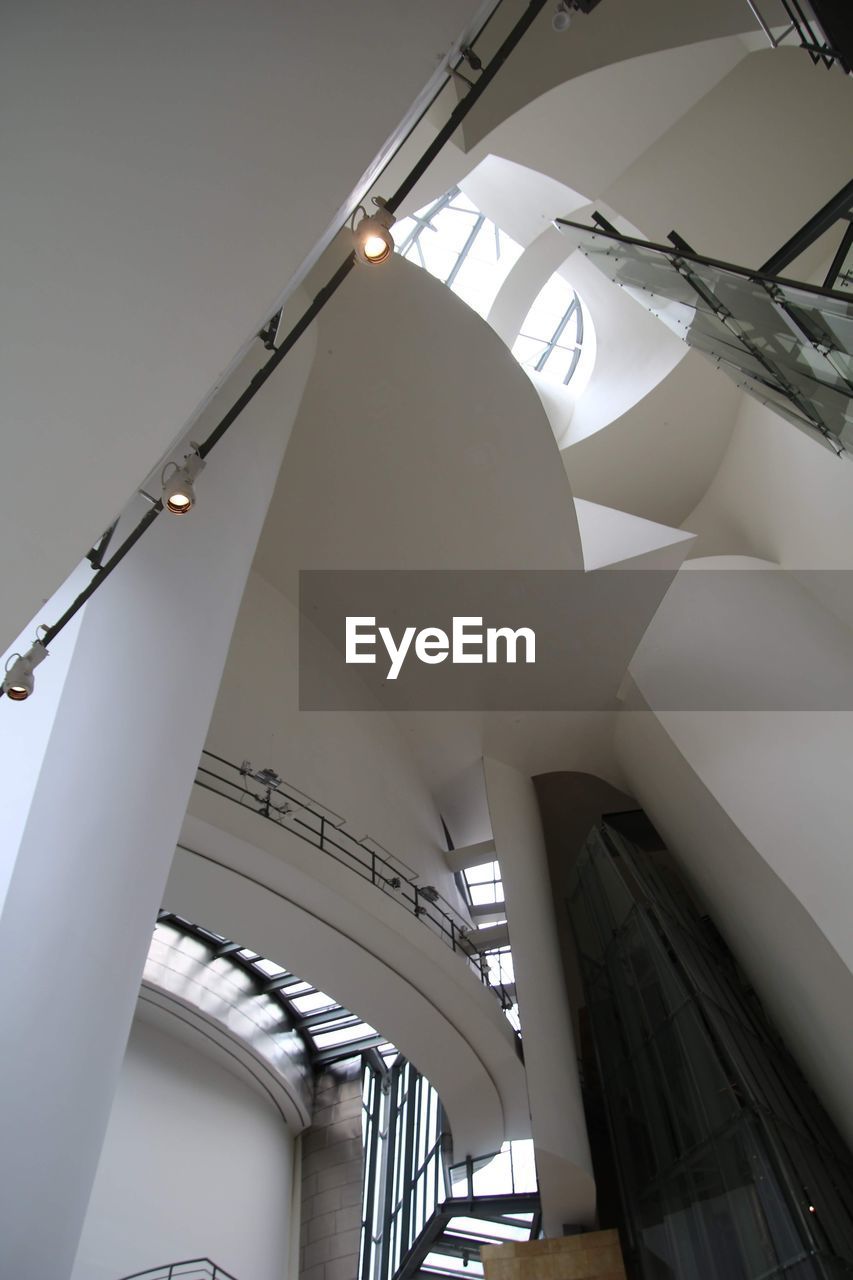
(332,1174)
(593,1255)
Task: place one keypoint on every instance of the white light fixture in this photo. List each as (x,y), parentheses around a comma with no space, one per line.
(18,682)
(562,18)
(178,491)
(373,240)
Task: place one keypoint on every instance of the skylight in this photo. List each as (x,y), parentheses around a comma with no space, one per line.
(484,883)
(328,1030)
(552,333)
(459,245)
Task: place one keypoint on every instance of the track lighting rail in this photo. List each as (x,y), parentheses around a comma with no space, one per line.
(459,113)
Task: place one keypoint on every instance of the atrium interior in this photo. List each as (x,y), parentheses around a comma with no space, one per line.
(513,967)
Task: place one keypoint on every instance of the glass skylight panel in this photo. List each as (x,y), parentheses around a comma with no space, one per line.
(312,1002)
(270,968)
(296,988)
(342,1035)
(457,244)
(780,341)
(479,875)
(482,894)
(182,947)
(550,338)
(484,885)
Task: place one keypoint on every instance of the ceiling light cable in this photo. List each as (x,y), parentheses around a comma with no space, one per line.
(310,314)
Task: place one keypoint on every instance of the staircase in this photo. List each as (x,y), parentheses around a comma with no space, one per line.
(450,1243)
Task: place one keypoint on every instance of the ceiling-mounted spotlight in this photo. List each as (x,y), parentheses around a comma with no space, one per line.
(373,239)
(562,18)
(18,683)
(178,491)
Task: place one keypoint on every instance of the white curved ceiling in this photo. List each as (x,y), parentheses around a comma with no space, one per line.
(167,169)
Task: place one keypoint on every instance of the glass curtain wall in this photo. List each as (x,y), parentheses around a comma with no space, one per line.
(729,1167)
(404,1133)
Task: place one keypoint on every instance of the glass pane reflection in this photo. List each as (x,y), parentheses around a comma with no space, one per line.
(791,341)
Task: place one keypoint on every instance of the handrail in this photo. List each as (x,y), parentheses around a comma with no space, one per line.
(323,829)
(806,27)
(204,1270)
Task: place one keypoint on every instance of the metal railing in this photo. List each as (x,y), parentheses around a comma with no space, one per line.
(265,794)
(803,25)
(191,1269)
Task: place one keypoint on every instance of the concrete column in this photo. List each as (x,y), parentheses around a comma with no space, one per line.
(105,815)
(560,1141)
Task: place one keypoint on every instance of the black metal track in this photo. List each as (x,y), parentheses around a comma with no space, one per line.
(310,314)
(840,206)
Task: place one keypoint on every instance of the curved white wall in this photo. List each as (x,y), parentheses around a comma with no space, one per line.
(604,40)
(256,882)
(196,1163)
(729,176)
(777,495)
(355,763)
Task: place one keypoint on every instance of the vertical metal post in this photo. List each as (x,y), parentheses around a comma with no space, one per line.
(390,1170)
(372,1172)
(322,830)
(372,867)
(409,1152)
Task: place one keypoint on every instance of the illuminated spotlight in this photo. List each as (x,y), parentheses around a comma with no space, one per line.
(18,682)
(562,18)
(178,491)
(373,240)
